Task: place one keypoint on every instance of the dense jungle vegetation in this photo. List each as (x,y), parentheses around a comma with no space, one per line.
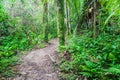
(88,33)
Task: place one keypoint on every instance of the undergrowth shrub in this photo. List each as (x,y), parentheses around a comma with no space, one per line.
(94,58)
(14,38)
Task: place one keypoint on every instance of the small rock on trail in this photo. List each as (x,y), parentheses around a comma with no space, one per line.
(39,64)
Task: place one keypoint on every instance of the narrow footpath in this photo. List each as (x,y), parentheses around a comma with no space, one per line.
(39,64)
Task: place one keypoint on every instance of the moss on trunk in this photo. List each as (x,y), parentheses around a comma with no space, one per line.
(60,22)
(45,21)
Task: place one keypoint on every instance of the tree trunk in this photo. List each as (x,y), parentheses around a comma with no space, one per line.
(94,23)
(60,22)
(45,20)
(67,20)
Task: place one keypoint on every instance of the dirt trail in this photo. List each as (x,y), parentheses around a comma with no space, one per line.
(39,64)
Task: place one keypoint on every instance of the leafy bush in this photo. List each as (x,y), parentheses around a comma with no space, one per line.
(13,44)
(96,59)
(14,39)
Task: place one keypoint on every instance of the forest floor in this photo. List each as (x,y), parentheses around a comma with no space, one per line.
(39,64)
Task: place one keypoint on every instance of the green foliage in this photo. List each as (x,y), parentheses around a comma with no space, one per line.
(14,38)
(3,18)
(12,44)
(109,13)
(68,77)
(77,8)
(96,59)
(6,63)
(21,31)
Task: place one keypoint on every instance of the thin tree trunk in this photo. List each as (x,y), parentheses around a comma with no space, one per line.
(94,23)
(60,22)
(45,21)
(67,17)
(69,23)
